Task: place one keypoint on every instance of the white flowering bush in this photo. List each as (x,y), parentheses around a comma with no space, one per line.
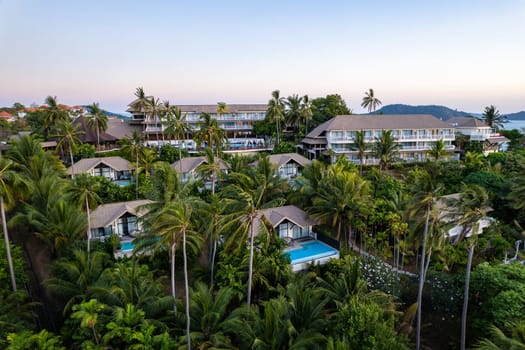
(379,275)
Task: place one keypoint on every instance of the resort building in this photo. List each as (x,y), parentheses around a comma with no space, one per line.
(479,131)
(294,225)
(289,165)
(415,134)
(117,130)
(188,168)
(115,169)
(237,121)
(119,218)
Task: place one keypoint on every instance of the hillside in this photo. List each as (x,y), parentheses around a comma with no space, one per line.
(440,112)
(108,113)
(516,116)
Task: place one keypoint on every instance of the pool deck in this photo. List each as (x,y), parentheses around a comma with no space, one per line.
(321,259)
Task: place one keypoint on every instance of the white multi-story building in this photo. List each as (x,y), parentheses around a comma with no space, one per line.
(415,134)
(479,131)
(237,122)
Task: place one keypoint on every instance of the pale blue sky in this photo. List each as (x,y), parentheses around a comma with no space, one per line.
(465,54)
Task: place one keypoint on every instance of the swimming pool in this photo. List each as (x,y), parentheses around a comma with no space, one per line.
(310,251)
(127,246)
(122,183)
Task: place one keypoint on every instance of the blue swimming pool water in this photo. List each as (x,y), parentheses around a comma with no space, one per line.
(309,251)
(122,183)
(126,246)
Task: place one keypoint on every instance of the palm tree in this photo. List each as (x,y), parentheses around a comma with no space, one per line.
(210,131)
(438,150)
(385,149)
(361,146)
(97,120)
(294,111)
(141,102)
(134,146)
(154,108)
(492,117)
(370,102)
(175,222)
(468,211)
(67,134)
(425,190)
(340,201)
(275,112)
(307,112)
(7,178)
(176,126)
(52,114)
(83,191)
(87,312)
(222,108)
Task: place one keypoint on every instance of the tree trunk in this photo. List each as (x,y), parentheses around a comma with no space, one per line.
(186,290)
(172,253)
(89,227)
(137,176)
(421,281)
(250,266)
(465,297)
(212,264)
(98,138)
(72,161)
(7,247)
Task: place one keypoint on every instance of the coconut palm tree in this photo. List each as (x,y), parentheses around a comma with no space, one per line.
(67,135)
(210,132)
(134,147)
(176,222)
(154,109)
(53,114)
(83,191)
(176,126)
(275,112)
(424,191)
(385,149)
(141,102)
(361,146)
(293,111)
(307,112)
(467,212)
(370,102)
(97,120)
(438,150)
(8,178)
(87,312)
(492,117)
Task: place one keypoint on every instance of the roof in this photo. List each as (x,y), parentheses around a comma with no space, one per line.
(379,122)
(4,114)
(467,122)
(105,214)
(288,212)
(281,159)
(86,164)
(117,129)
(211,109)
(189,164)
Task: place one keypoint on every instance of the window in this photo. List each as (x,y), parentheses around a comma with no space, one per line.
(283,230)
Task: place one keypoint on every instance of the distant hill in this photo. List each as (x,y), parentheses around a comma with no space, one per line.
(440,112)
(516,116)
(108,113)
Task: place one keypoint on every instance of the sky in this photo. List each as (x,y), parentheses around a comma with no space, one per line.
(465,54)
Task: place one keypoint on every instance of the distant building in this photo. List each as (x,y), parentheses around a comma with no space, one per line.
(118,129)
(415,135)
(188,167)
(237,122)
(479,131)
(289,165)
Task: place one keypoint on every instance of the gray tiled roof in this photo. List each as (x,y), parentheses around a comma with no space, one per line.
(189,164)
(86,164)
(278,214)
(466,122)
(107,213)
(281,159)
(379,122)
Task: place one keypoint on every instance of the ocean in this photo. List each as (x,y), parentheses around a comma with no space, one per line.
(514,124)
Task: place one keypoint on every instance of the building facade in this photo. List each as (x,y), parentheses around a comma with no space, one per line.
(237,121)
(415,134)
(477,130)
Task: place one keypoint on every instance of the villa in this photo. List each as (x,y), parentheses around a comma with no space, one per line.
(415,135)
(119,218)
(295,226)
(188,168)
(115,169)
(289,165)
(237,122)
(479,131)
(118,129)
